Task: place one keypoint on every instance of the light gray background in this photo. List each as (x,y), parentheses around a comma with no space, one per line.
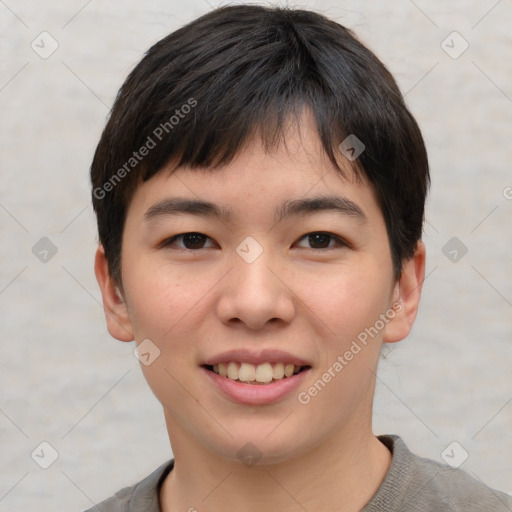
(65,381)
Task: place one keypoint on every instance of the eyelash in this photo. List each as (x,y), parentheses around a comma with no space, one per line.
(340,242)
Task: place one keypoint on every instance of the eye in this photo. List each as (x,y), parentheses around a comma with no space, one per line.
(192,241)
(317,240)
(322,240)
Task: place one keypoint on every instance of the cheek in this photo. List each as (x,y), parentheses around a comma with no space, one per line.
(164,309)
(164,299)
(344,301)
(349,310)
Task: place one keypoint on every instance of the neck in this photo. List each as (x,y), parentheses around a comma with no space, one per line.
(341,474)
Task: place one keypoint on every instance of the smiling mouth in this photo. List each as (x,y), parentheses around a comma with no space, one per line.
(266,373)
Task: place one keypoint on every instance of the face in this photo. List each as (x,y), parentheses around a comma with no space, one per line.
(288,268)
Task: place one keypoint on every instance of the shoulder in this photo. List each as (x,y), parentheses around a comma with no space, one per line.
(141,497)
(417,484)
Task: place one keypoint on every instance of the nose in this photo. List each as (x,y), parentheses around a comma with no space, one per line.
(256,294)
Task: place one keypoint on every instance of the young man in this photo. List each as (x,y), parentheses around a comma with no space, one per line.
(260,190)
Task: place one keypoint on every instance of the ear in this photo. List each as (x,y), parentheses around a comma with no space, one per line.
(118,321)
(406,296)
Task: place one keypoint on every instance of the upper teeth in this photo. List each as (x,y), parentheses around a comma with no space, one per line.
(247,372)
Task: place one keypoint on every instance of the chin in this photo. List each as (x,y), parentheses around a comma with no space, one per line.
(260,446)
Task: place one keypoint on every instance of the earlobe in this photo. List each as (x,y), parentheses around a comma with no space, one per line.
(407,293)
(116,313)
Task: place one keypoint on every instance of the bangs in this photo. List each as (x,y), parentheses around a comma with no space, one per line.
(271,126)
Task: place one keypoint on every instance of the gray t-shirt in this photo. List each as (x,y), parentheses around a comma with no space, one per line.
(412,484)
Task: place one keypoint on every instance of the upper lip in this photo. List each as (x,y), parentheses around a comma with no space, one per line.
(256,357)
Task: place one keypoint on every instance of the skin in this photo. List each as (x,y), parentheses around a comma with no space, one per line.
(300,297)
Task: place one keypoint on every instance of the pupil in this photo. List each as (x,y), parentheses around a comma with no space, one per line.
(318,239)
(194,240)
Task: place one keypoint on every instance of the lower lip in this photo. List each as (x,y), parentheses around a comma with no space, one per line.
(256,394)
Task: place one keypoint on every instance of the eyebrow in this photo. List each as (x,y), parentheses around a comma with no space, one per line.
(295,207)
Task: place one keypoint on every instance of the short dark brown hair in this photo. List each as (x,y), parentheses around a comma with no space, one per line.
(205,90)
